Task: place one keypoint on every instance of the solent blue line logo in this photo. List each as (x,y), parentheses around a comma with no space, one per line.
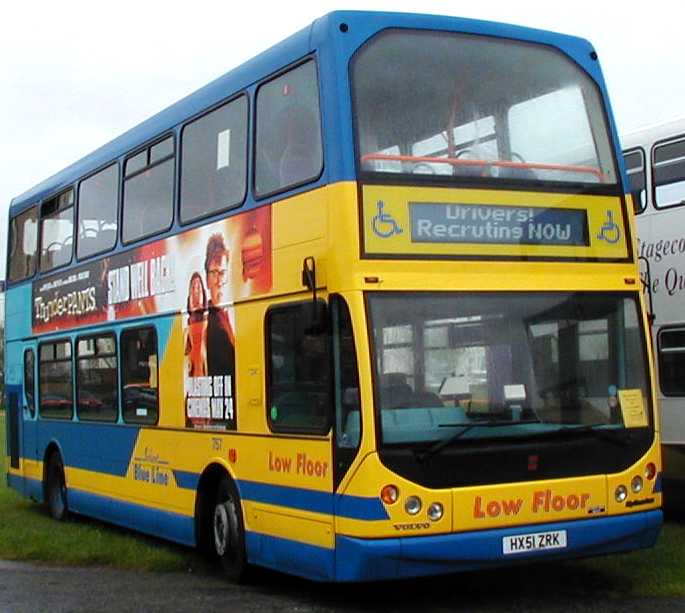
(609,232)
(383,223)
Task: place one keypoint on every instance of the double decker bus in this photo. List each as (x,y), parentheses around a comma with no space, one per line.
(655,162)
(366,307)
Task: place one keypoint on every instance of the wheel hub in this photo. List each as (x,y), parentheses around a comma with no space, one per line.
(221,528)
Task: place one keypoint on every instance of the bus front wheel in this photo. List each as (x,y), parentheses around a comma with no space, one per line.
(56,488)
(228,532)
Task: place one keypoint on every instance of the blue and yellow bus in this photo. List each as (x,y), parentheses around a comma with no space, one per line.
(366,307)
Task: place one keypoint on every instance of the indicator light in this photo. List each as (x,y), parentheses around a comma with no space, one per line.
(650,471)
(390,494)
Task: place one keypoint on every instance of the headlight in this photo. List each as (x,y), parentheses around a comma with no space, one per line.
(636,484)
(435,511)
(621,493)
(412,505)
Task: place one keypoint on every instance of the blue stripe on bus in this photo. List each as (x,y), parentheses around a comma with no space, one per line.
(186,480)
(28,487)
(352,507)
(157,522)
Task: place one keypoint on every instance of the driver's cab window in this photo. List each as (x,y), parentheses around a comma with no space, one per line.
(57,231)
(298,376)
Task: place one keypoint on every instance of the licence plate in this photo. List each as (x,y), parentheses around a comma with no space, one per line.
(538,541)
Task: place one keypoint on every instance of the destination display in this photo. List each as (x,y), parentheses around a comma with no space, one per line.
(481,223)
(417,222)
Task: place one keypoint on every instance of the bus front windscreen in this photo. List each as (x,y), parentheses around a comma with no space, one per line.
(458,108)
(454,369)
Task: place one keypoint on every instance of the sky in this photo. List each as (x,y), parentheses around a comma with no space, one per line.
(74,74)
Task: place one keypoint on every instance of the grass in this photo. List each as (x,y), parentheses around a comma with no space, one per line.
(27,533)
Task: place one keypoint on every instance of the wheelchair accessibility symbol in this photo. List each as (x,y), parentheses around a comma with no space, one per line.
(609,231)
(383,224)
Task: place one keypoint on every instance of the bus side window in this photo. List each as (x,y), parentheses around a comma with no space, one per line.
(672,361)
(96,378)
(149,191)
(98,212)
(298,374)
(214,161)
(289,150)
(635,167)
(669,174)
(23,245)
(57,231)
(140,391)
(55,388)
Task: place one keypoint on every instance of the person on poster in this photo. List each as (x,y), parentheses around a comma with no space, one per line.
(195,349)
(219,334)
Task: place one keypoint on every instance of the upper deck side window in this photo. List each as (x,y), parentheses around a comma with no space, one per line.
(289,148)
(98,210)
(23,245)
(635,167)
(669,173)
(148,206)
(214,161)
(57,231)
(464,109)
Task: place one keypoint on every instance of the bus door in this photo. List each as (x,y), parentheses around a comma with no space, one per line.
(300,452)
(28,399)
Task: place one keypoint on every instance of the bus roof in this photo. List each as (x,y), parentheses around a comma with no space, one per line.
(361,26)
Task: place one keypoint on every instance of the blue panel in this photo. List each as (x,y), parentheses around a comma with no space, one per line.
(172,526)
(18,312)
(369,559)
(102,448)
(294,557)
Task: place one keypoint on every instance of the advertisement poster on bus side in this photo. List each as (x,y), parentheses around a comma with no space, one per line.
(199,273)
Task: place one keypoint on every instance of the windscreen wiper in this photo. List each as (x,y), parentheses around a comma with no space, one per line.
(596,430)
(422,456)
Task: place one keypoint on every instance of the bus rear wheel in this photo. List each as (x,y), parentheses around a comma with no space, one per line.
(228,533)
(56,488)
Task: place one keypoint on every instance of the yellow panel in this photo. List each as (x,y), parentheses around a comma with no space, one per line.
(497,506)
(499,215)
(309,528)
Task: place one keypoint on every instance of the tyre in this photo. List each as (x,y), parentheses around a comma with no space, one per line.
(227,533)
(56,488)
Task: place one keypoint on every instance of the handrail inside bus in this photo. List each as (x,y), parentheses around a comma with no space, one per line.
(369,157)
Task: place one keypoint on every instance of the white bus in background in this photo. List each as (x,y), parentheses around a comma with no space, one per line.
(655,161)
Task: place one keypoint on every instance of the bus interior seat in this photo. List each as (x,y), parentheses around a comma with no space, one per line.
(395,392)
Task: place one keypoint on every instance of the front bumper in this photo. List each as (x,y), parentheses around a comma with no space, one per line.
(377,559)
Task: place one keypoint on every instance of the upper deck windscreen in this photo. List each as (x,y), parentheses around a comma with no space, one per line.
(470,108)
